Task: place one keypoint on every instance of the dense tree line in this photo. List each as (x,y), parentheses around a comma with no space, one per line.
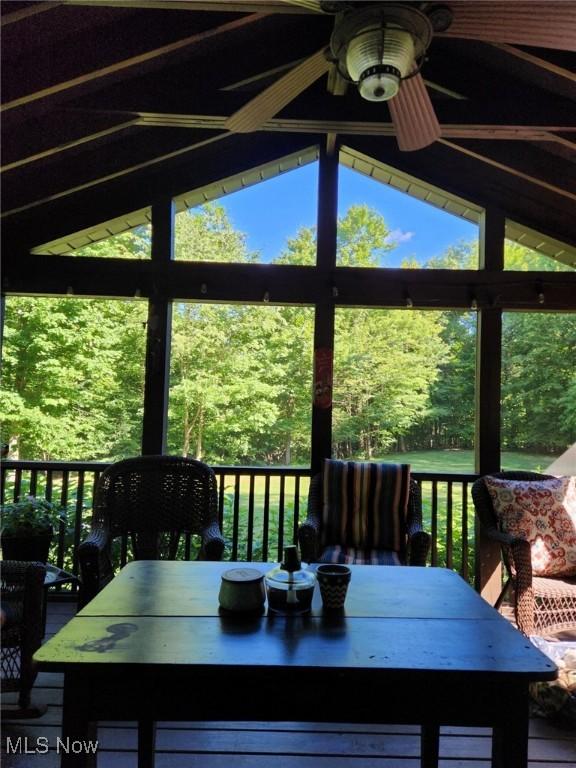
(240,380)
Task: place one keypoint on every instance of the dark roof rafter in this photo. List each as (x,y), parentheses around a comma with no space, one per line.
(141,59)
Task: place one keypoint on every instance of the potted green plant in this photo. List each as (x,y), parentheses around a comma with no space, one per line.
(27,528)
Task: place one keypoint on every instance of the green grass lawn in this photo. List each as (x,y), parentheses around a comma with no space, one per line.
(463,461)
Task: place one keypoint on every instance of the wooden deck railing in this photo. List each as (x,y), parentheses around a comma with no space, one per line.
(259,509)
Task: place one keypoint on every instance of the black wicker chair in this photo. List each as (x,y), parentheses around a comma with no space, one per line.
(541,604)
(22,594)
(150,501)
(415,543)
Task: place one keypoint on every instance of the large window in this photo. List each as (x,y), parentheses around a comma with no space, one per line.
(538,388)
(72,378)
(273,221)
(388,219)
(404,387)
(528,251)
(240,383)
(128,237)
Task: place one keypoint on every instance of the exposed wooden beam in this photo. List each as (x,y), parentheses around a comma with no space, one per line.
(147,97)
(568,143)
(133,61)
(355,286)
(509,169)
(537,61)
(115,175)
(232,6)
(27,12)
(50,151)
(158,337)
(364,128)
(327,229)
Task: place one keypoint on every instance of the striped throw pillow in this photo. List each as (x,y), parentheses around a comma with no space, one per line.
(364,504)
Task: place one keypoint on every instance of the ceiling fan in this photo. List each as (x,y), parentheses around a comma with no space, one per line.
(381,47)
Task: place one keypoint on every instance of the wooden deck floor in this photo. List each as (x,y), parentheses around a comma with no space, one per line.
(267,745)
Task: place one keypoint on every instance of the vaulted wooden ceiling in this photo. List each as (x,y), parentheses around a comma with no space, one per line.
(108,105)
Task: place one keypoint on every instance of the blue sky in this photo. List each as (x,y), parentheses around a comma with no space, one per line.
(274,210)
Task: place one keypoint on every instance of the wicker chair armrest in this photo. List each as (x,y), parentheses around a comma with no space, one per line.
(418,548)
(212,543)
(506,539)
(309,539)
(309,529)
(521,567)
(418,541)
(521,560)
(95,564)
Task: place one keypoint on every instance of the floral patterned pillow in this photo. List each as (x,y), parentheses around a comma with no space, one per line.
(544,513)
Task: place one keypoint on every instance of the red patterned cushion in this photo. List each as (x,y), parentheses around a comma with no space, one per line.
(544,513)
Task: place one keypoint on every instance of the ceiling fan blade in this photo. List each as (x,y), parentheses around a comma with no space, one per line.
(268,103)
(413,116)
(544,25)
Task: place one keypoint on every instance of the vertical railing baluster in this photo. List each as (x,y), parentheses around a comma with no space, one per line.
(221,484)
(63,525)
(236,518)
(465,570)
(266,520)
(250,531)
(78,519)
(449,524)
(17,484)
(281,518)
(49,485)
(434,524)
(32,488)
(296,509)
(3,477)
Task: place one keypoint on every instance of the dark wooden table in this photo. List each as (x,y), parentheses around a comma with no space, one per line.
(413,645)
(54,577)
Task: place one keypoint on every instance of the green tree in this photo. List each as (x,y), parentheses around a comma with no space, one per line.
(72,377)
(538,381)
(385,364)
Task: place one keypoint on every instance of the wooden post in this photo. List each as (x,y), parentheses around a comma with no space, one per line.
(2,318)
(324,315)
(488,394)
(156,380)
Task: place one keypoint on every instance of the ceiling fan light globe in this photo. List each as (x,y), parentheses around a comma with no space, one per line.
(377,59)
(379,86)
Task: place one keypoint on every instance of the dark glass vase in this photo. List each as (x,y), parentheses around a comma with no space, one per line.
(34,548)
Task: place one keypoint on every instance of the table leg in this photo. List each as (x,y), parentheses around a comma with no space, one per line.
(510,737)
(146,743)
(429,745)
(77,746)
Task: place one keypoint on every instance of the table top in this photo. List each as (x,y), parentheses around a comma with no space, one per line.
(159,614)
(55,576)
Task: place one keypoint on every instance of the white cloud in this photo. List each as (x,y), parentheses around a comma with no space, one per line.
(397,236)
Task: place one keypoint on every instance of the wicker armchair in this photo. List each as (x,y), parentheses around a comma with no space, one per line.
(414,546)
(541,604)
(22,629)
(149,501)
